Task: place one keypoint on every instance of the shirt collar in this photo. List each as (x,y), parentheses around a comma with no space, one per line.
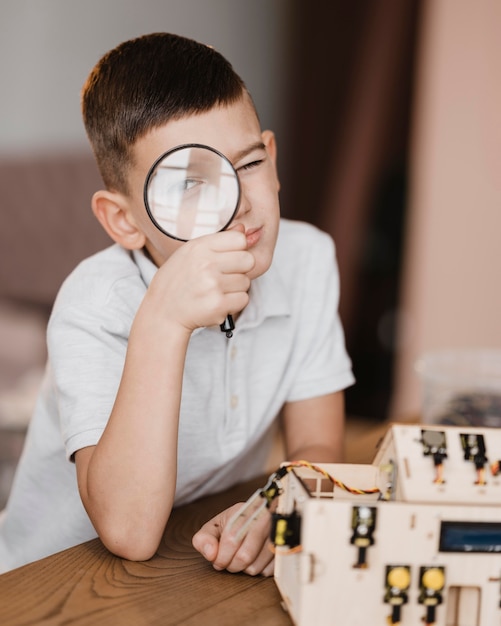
(147,269)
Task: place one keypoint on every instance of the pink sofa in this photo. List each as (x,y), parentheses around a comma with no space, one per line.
(47,227)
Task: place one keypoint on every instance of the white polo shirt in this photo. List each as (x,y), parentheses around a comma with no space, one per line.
(288,345)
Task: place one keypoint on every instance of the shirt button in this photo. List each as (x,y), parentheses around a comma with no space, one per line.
(234,402)
(234,351)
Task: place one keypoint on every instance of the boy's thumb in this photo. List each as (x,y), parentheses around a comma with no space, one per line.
(209,550)
(206,544)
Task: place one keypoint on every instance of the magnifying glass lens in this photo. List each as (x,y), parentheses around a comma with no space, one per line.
(191,191)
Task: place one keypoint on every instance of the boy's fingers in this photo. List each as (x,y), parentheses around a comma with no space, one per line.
(206,540)
(225,240)
(226,549)
(206,544)
(237,553)
(269,569)
(239,261)
(263,565)
(253,559)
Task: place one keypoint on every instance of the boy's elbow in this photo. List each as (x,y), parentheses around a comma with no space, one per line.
(132,546)
(132,532)
(133,553)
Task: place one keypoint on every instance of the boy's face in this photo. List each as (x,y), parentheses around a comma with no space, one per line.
(234,130)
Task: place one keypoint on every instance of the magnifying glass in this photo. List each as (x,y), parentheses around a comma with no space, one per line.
(191,191)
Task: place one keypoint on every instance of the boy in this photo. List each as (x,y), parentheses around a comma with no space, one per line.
(146,404)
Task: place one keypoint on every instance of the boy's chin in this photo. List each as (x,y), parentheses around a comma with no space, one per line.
(261,267)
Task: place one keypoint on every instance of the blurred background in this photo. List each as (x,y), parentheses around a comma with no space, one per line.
(387,114)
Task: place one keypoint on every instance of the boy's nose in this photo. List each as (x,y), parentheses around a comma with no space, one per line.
(244,206)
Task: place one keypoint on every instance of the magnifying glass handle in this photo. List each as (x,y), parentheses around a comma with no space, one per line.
(228,326)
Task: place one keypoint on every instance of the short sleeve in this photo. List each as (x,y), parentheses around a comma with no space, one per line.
(87,352)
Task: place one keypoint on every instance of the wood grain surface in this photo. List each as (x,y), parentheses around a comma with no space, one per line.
(86,585)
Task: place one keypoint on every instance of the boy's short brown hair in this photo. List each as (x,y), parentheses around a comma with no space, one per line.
(142,84)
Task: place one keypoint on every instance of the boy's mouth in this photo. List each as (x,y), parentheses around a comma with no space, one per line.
(253,235)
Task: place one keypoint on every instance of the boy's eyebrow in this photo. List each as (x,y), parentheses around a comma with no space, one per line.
(259,145)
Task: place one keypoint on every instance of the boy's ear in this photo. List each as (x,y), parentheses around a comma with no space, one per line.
(270,144)
(112,212)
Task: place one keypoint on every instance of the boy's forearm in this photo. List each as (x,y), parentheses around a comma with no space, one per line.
(333,453)
(129,486)
(314,429)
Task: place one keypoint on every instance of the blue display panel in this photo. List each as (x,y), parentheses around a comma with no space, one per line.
(470,537)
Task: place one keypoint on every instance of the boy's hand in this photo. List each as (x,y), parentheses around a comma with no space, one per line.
(225,550)
(205,279)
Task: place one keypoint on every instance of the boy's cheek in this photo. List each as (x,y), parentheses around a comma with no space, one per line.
(160,247)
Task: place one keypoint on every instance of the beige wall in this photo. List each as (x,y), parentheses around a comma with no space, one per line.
(48,47)
(451,292)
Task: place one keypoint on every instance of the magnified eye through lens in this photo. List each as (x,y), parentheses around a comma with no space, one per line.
(177,192)
(190,191)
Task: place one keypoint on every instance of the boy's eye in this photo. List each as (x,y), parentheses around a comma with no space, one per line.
(171,192)
(183,186)
(190,183)
(251,165)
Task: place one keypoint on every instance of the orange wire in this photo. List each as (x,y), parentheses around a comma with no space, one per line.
(480,477)
(439,476)
(284,550)
(333,480)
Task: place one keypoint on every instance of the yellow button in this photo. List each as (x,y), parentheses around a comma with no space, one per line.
(234,402)
(433,579)
(399,577)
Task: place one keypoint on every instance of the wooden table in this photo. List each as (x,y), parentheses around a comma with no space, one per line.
(86,585)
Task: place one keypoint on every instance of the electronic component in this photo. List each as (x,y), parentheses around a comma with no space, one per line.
(397,583)
(285,529)
(474,450)
(260,500)
(390,471)
(363,524)
(431,585)
(470,537)
(434,444)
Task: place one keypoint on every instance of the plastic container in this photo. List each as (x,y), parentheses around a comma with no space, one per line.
(461,387)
